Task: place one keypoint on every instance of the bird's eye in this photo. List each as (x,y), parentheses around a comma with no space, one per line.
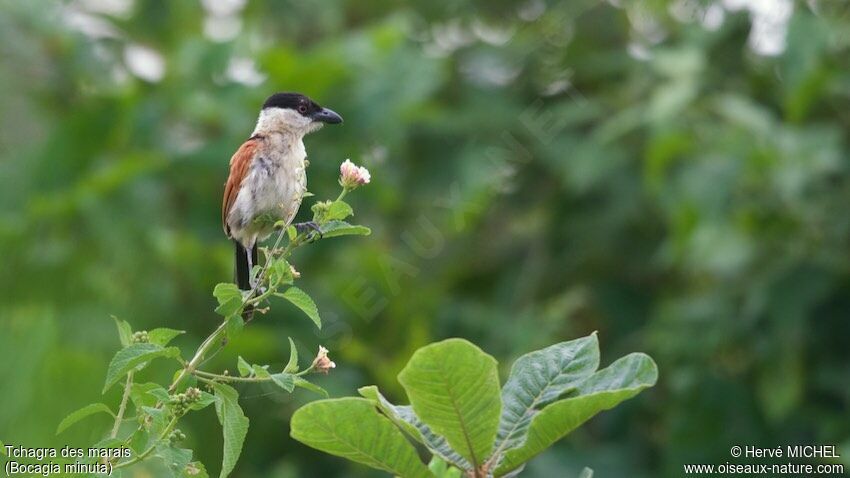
(302,109)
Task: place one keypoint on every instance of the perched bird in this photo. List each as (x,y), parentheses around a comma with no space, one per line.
(267,175)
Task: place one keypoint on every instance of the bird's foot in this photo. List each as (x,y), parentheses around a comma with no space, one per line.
(310,226)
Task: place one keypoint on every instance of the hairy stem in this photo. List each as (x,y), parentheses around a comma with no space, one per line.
(123,407)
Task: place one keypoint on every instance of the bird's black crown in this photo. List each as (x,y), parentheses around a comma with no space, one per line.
(291,101)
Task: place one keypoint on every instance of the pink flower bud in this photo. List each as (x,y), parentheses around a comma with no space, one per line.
(351,175)
(322,364)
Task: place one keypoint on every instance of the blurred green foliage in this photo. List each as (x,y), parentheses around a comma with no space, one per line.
(541,169)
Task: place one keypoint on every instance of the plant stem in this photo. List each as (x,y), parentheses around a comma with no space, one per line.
(123,407)
(199,355)
(229,378)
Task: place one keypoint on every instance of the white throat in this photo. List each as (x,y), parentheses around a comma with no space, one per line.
(284,120)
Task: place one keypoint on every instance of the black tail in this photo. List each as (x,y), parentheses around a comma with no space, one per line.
(243,273)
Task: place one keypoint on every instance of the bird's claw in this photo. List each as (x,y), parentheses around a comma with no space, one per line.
(303,227)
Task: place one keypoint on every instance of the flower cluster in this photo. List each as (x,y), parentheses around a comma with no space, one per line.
(351,176)
(140,337)
(181,402)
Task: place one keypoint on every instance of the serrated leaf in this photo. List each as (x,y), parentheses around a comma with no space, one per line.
(158,420)
(243,367)
(540,378)
(405,419)
(139,394)
(285,381)
(342,228)
(235,324)
(280,272)
(338,210)
(174,458)
(603,390)
(352,428)
(162,336)
(300,299)
(125,332)
(225,291)
(260,371)
(453,387)
(300,382)
(203,402)
(132,357)
(234,425)
(77,415)
(229,308)
(292,365)
(229,298)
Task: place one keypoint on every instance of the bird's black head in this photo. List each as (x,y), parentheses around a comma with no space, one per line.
(304,106)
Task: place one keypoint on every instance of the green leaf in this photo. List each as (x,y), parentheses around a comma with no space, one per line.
(235,324)
(225,291)
(338,210)
(162,336)
(603,390)
(303,301)
(301,383)
(342,228)
(174,458)
(453,387)
(440,469)
(540,378)
(285,381)
(134,355)
(243,367)
(229,299)
(352,428)
(82,413)
(125,332)
(234,425)
(142,396)
(203,402)
(405,419)
(158,419)
(260,371)
(292,365)
(291,233)
(280,272)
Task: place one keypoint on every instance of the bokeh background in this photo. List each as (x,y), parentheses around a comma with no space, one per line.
(673,174)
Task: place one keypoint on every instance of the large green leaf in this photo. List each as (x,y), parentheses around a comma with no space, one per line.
(540,378)
(300,299)
(453,387)
(132,356)
(352,428)
(234,425)
(82,413)
(603,390)
(342,228)
(405,419)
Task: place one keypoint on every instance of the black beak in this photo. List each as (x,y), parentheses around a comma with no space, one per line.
(326,115)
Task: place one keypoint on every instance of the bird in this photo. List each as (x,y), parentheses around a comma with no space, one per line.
(268,176)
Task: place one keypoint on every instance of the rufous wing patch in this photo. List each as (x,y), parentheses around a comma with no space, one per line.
(239,164)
